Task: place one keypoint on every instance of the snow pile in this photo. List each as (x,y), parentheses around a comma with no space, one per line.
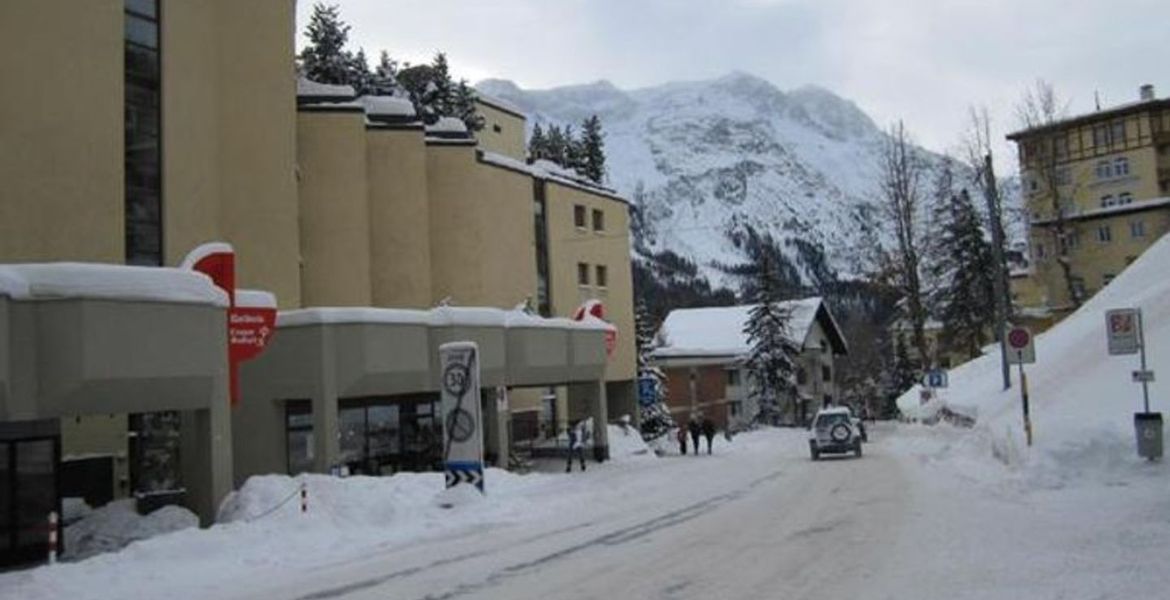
(1082,399)
(448,125)
(314,89)
(625,443)
(118,523)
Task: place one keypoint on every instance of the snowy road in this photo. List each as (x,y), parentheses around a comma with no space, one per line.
(746,524)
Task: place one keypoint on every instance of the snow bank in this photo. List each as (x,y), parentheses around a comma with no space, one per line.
(625,443)
(255,299)
(118,524)
(1082,399)
(447,125)
(390,106)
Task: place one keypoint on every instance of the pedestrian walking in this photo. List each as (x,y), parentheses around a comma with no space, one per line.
(709,432)
(696,431)
(576,445)
(682,441)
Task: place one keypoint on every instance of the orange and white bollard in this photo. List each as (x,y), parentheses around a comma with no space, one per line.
(304,498)
(53,537)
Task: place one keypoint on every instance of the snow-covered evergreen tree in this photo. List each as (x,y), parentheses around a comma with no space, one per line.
(537,143)
(771,361)
(359,75)
(656,420)
(905,373)
(324,58)
(384,79)
(463,106)
(592,150)
(965,299)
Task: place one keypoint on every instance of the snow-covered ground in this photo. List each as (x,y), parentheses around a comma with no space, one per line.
(929,512)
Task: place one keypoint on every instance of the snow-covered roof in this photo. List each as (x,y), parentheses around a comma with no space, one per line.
(388,106)
(108,282)
(313,89)
(549,171)
(718,331)
(447,125)
(461,316)
(500,104)
(255,299)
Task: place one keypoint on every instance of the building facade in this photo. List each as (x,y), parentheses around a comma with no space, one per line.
(701,351)
(1097,192)
(149,127)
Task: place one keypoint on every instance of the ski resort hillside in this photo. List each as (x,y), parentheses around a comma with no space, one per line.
(1082,399)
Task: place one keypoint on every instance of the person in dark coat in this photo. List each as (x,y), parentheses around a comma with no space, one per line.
(682,441)
(576,445)
(709,432)
(696,431)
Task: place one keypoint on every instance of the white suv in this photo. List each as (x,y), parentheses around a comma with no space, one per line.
(834,430)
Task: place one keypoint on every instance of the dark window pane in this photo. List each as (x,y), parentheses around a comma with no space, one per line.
(36,492)
(141,31)
(142,65)
(5,497)
(146,8)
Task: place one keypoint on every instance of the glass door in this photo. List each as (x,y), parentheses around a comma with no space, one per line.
(28,493)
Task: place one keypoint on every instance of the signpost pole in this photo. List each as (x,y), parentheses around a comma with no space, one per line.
(1142,349)
(1024,397)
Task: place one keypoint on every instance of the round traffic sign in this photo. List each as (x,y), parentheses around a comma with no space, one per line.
(1019,338)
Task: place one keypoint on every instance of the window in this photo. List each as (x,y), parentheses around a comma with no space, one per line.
(1137,228)
(141,108)
(540,224)
(801,376)
(1104,169)
(1101,136)
(1063,176)
(1039,252)
(1072,240)
(496,128)
(598,220)
(602,276)
(1033,185)
(1103,234)
(1120,167)
(735,408)
(1117,132)
(582,274)
(579,216)
(1107,201)
(1060,146)
(733,377)
(298,420)
(826,373)
(1124,198)
(1078,286)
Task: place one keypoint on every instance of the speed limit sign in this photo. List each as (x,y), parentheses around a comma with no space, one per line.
(1020,346)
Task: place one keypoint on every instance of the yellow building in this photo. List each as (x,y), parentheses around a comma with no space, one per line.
(148,127)
(1104,179)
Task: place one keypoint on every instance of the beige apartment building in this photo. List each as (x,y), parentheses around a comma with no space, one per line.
(148,127)
(1104,179)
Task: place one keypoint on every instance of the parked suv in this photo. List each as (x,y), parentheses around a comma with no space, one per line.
(835,431)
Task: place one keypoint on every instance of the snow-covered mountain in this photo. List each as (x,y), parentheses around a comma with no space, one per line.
(706,159)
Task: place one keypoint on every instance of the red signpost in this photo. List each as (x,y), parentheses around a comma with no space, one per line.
(249,328)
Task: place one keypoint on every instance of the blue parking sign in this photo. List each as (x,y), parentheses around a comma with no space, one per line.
(936,378)
(647,391)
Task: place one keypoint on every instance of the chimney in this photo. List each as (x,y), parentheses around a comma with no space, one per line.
(1146,92)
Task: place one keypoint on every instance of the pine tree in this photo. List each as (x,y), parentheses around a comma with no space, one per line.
(555,145)
(593,150)
(965,268)
(771,360)
(463,106)
(384,80)
(441,97)
(905,371)
(324,58)
(574,157)
(537,143)
(358,73)
(656,420)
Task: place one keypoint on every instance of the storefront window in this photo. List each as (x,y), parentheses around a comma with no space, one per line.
(299,429)
(381,438)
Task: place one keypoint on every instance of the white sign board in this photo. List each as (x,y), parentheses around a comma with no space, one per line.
(1020,346)
(1121,327)
(462,422)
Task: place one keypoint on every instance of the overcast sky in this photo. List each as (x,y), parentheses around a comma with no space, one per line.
(924,61)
